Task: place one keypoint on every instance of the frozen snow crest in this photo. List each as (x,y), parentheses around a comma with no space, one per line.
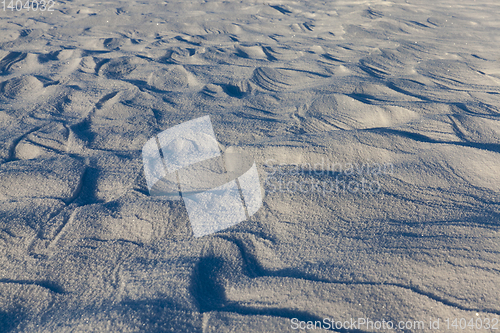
(219,190)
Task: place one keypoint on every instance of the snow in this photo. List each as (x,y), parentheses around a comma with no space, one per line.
(411,87)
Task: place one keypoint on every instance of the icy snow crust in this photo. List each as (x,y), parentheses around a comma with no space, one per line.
(410,89)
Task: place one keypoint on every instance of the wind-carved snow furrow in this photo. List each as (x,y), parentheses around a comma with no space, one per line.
(459,132)
(56,224)
(372,70)
(281,9)
(49,140)
(210,295)
(12,149)
(106,98)
(486,269)
(483,217)
(10,59)
(50,285)
(50,232)
(392,86)
(272,311)
(252,269)
(441,299)
(118,240)
(280,80)
(99,64)
(53,177)
(59,228)
(304,316)
(57,221)
(82,130)
(492,147)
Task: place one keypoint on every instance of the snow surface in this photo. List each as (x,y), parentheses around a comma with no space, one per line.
(400,98)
